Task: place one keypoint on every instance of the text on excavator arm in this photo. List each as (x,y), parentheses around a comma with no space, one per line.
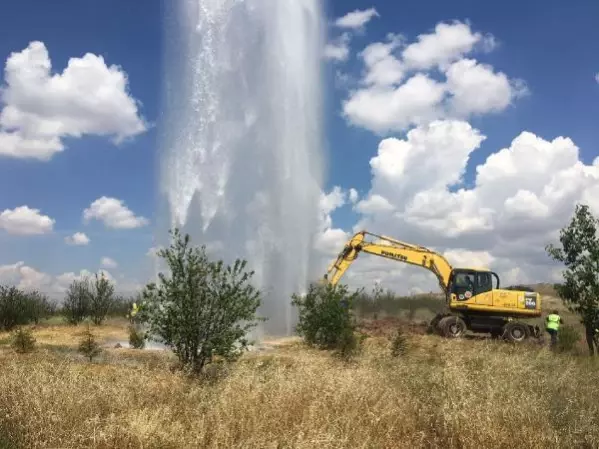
(391,249)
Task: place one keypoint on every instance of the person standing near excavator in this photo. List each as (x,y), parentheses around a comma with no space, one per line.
(552,324)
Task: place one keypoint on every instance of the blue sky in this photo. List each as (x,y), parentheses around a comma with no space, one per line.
(553,47)
(126,34)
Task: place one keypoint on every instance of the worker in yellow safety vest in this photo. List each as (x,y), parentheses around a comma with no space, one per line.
(552,324)
(133,312)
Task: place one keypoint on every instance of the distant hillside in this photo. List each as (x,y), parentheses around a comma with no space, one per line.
(545,289)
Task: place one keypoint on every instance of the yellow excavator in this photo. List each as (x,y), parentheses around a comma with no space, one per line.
(473,302)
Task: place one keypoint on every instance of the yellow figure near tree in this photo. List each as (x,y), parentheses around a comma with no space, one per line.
(552,324)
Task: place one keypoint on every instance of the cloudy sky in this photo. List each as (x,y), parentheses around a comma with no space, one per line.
(465,127)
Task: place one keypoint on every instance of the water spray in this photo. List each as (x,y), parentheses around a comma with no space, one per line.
(241,145)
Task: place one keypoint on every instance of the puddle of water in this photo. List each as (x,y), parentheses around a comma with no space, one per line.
(259,346)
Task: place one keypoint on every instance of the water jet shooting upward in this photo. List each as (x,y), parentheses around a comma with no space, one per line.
(241,163)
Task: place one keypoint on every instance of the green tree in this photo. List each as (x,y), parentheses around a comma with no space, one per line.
(121,306)
(325,316)
(18,307)
(203,308)
(38,306)
(579,252)
(77,301)
(14,308)
(101,299)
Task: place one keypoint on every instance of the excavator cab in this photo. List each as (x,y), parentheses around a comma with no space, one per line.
(465,283)
(477,290)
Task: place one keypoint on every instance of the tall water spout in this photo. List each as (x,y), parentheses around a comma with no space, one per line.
(241,139)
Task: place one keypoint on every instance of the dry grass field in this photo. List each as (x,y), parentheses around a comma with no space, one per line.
(467,393)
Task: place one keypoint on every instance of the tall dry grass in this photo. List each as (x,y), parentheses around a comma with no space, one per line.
(442,393)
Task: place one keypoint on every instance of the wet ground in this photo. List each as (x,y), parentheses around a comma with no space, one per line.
(268,343)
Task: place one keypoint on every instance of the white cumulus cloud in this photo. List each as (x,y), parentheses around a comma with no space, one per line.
(23,276)
(448,43)
(465,258)
(356,19)
(78,239)
(520,197)
(329,239)
(476,89)
(329,202)
(26,277)
(41,108)
(62,281)
(338,49)
(382,66)
(24,220)
(384,108)
(374,203)
(401,87)
(114,214)
(107,262)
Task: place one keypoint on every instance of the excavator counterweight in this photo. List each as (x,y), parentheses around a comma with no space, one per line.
(473,301)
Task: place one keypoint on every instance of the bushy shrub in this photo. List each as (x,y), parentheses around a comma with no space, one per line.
(88,346)
(399,344)
(350,344)
(22,340)
(567,338)
(136,338)
(202,309)
(326,319)
(18,308)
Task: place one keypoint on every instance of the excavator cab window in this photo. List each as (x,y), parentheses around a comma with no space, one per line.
(463,284)
(466,283)
(484,282)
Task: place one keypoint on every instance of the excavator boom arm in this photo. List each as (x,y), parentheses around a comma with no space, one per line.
(389,248)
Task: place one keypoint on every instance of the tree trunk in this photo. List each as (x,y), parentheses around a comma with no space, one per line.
(590,340)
